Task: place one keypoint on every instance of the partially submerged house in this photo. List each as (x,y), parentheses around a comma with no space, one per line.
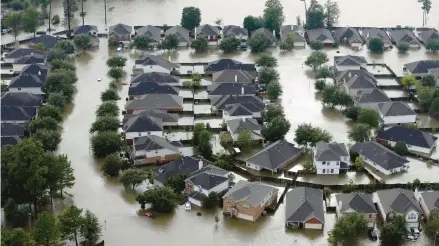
(234,76)
(370,33)
(320,35)
(396,113)
(238,89)
(211,33)
(85,29)
(154,63)
(297,32)
(120,32)
(153,33)
(349,62)
(348,36)
(27,60)
(18,53)
(236,32)
(427,35)
(369,98)
(182,34)
(136,90)
(219,103)
(18,114)
(266,32)
(404,36)
(429,202)
(140,125)
(356,84)
(21,99)
(331,158)
(153,149)
(26,82)
(167,102)
(304,208)
(420,68)
(356,203)
(47,41)
(13,133)
(237,126)
(223,64)
(344,76)
(243,110)
(156,77)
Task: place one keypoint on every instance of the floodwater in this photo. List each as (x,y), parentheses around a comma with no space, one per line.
(116,207)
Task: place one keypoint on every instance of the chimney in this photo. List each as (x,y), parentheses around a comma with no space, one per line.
(200,164)
(236,78)
(39,72)
(242,90)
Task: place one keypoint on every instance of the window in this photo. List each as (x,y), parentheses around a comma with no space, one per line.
(324,163)
(370,216)
(332,170)
(324,170)
(229,202)
(337,163)
(245,206)
(19,89)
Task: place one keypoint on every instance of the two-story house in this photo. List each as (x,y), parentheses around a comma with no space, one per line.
(304,208)
(238,89)
(16,54)
(181,33)
(248,200)
(236,126)
(142,125)
(153,149)
(356,203)
(120,32)
(154,63)
(349,62)
(237,32)
(243,110)
(420,68)
(429,201)
(297,32)
(211,33)
(167,102)
(331,158)
(396,113)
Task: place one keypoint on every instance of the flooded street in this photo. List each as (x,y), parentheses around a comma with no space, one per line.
(117,208)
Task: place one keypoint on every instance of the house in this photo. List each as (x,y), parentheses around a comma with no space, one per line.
(269,34)
(211,33)
(427,35)
(349,36)
(138,89)
(182,34)
(153,149)
(166,118)
(394,202)
(274,157)
(14,130)
(10,140)
(370,33)
(435,73)
(381,158)
(349,62)
(331,158)
(304,208)
(154,63)
(26,60)
(320,35)
(21,99)
(185,166)
(429,202)
(223,64)
(356,203)
(236,126)
(17,114)
(356,84)
(38,69)
(234,76)
(342,77)
(396,113)
(26,82)
(85,29)
(248,200)
(238,89)
(156,77)
(47,41)
(204,181)
(220,102)
(368,98)
(19,53)
(405,36)
(142,125)
(243,110)
(298,33)
(151,32)
(236,32)
(420,68)
(170,103)
(417,141)
(120,32)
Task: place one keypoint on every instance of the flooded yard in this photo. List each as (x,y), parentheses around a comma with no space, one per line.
(356,177)
(387,82)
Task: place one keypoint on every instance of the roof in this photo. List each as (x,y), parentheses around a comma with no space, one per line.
(233,75)
(361,82)
(17,53)
(358,202)
(185,166)
(434,72)
(422,66)
(428,35)
(207,30)
(253,192)
(233,30)
(398,200)
(85,29)
(151,88)
(340,75)
(431,199)
(181,33)
(13,129)
(151,32)
(231,89)
(156,60)
(319,34)
(403,35)
(395,109)
(295,30)
(159,114)
(152,142)
(47,41)
(347,34)
(121,29)
(16,113)
(372,96)
(380,155)
(38,69)
(208,181)
(220,102)
(30,59)
(223,64)
(330,151)
(275,155)
(238,110)
(409,136)
(265,32)
(24,99)
(156,77)
(303,204)
(210,169)
(10,140)
(143,123)
(349,60)
(156,101)
(25,80)
(240,125)
(370,33)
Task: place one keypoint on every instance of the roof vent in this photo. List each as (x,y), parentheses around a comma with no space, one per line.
(161,170)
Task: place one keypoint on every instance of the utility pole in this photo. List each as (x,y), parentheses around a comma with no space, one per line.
(306,11)
(68,18)
(105,6)
(50,14)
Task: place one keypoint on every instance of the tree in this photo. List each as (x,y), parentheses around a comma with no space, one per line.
(30,21)
(50,111)
(259,43)
(308,165)
(211,201)
(198,128)
(49,138)
(434,108)
(316,45)
(132,177)
(376,45)
(59,175)
(432,45)
(267,74)
(320,85)
(109,108)
(266,60)
(176,183)
(327,193)
(273,15)
(90,228)
(105,143)
(272,111)
(82,41)
(41,123)
(16,237)
(70,7)
(225,162)
(252,23)
(288,43)
(426,7)
(105,123)
(332,13)
(141,42)
(56,54)
(190,18)
(57,99)
(393,233)
(109,95)
(431,228)
(350,225)
(428,80)
(116,73)
(170,42)
(112,164)
(308,135)
(403,47)
(333,96)
(200,44)
(323,72)
(15,215)
(401,148)
(161,199)
(116,62)
(315,16)
(360,133)
(13,21)
(359,163)
(316,59)
(274,90)
(426,95)
(245,139)
(229,44)
(369,116)
(416,183)
(58,64)
(276,129)
(204,146)
(65,45)
(61,82)
(408,81)
(46,230)
(70,221)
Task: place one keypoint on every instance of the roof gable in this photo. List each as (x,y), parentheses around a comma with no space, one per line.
(330,151)
(275,155)
(408,136)
(185,165)
(121,29)
(304,203)
(251,192)
(398,200)
(358,202)
(395,109)
(21,99)
(380,155)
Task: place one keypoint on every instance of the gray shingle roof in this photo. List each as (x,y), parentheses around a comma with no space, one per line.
(232,30)
(181,33)
(294,29)
(220,102)
(398,200)
(85,29)
(151,32)
(370,33)
(143,123)
(275,155)
(380,155)
(233,75)
(160,114)
(17,53)
(403,35)
(395,109)
(340,75)
(361,82)
(47,41)
(240,125)
(372,96)
(156,60)
(156,101)
(422,66)
(23,99)
(237,110)
(10,140)
(207,30)
(231,89)
(121,29)
(428,35)
(25,80)
(359,202)
(303,204)
(349,34)
(431,199)
(38,69)
(144,88)
(252,192)
(185,166)
(265,32)
(349,60)
(319,34)
(330,151)
(30,59)
(210,169)
(152,142)
(157,77)
(409,136)
(226,63)
(13,129)
(208,181)
(16,113)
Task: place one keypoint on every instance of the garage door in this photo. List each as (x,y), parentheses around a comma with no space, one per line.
(195,201)
(244,216)
(313,226)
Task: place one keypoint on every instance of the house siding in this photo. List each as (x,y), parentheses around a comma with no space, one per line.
(154,156)
(313,223)
(121,38)
(34,90)
(152,68)
(370,217)
(380,169)
(132,135)
(387,217)
(395,120)
(253,212)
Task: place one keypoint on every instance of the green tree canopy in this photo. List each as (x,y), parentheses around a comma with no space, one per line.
(274,90)
(229,44)
(272,111)
(333,96)
(403,47)
(225,162)
(323,72)
(266,60)
(259,43)
(46,230)
(252,23)
(116,73)
(320,85)
(409,80)
(352,112)
(434,108)
(349,226)
(176,183)
(50,111)
(141,42)
(200,44)
(109,108)
(360,133)
(57,99)
(273,15)
(316,45)
(288,43)
(15,215)
(49,138)
(60,173)
(90,228)
(190,18)
(204,146)
(112,164)
(30,21)
(13,21)
(109,95)
(276,129)
(161,199)
(308,135)
(431,228)
(359,163)
(428,80)
(70,221)
(401,148)
(56,54)
(332,13)
(316,59)
(82,41)
(170,42)
(105,123)
(132,177)
(267,74)
(16,237)
(315,16)
(211,201)
(369,116)
(393,233)
(67,46)
(245,139)
(105,143)
(432,45)
(376,45)
(41,123)
(116,62)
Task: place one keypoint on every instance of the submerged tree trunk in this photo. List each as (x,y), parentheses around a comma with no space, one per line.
(76,238)
(82,11)
(50,14)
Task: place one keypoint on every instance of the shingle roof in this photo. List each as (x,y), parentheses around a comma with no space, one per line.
(421,66)
(157,77)
(234,30)
(207,30)
(398,200)
(303,204)
(252,192)
(156,101)
(403,35)
(370,33)
(431,199)
(359,202)
(265,32)
(395,109)
(143,123)
(408,136)
(293,29)
(220,102)
(157,60)
(26,80)
(380,155)
(237,110)
(181,33)
(275,155)
(23,99)
(372,96)
(13,129)
(349,60)
(330,151)
(233,75)
(208,181)
(210,169)
(319,34)
(121,29)
(428,35)
(38,69)
(16,113)
(185,166)
(223,64)
(340,75)
(434,72)
(47,41)
(240,125)
(151,32)
(10,140)
(349,34)
(160,114)
(17,53)
(30,59)
(144,88)
(85,29)
(231,89)
(361,82)
(152,142)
